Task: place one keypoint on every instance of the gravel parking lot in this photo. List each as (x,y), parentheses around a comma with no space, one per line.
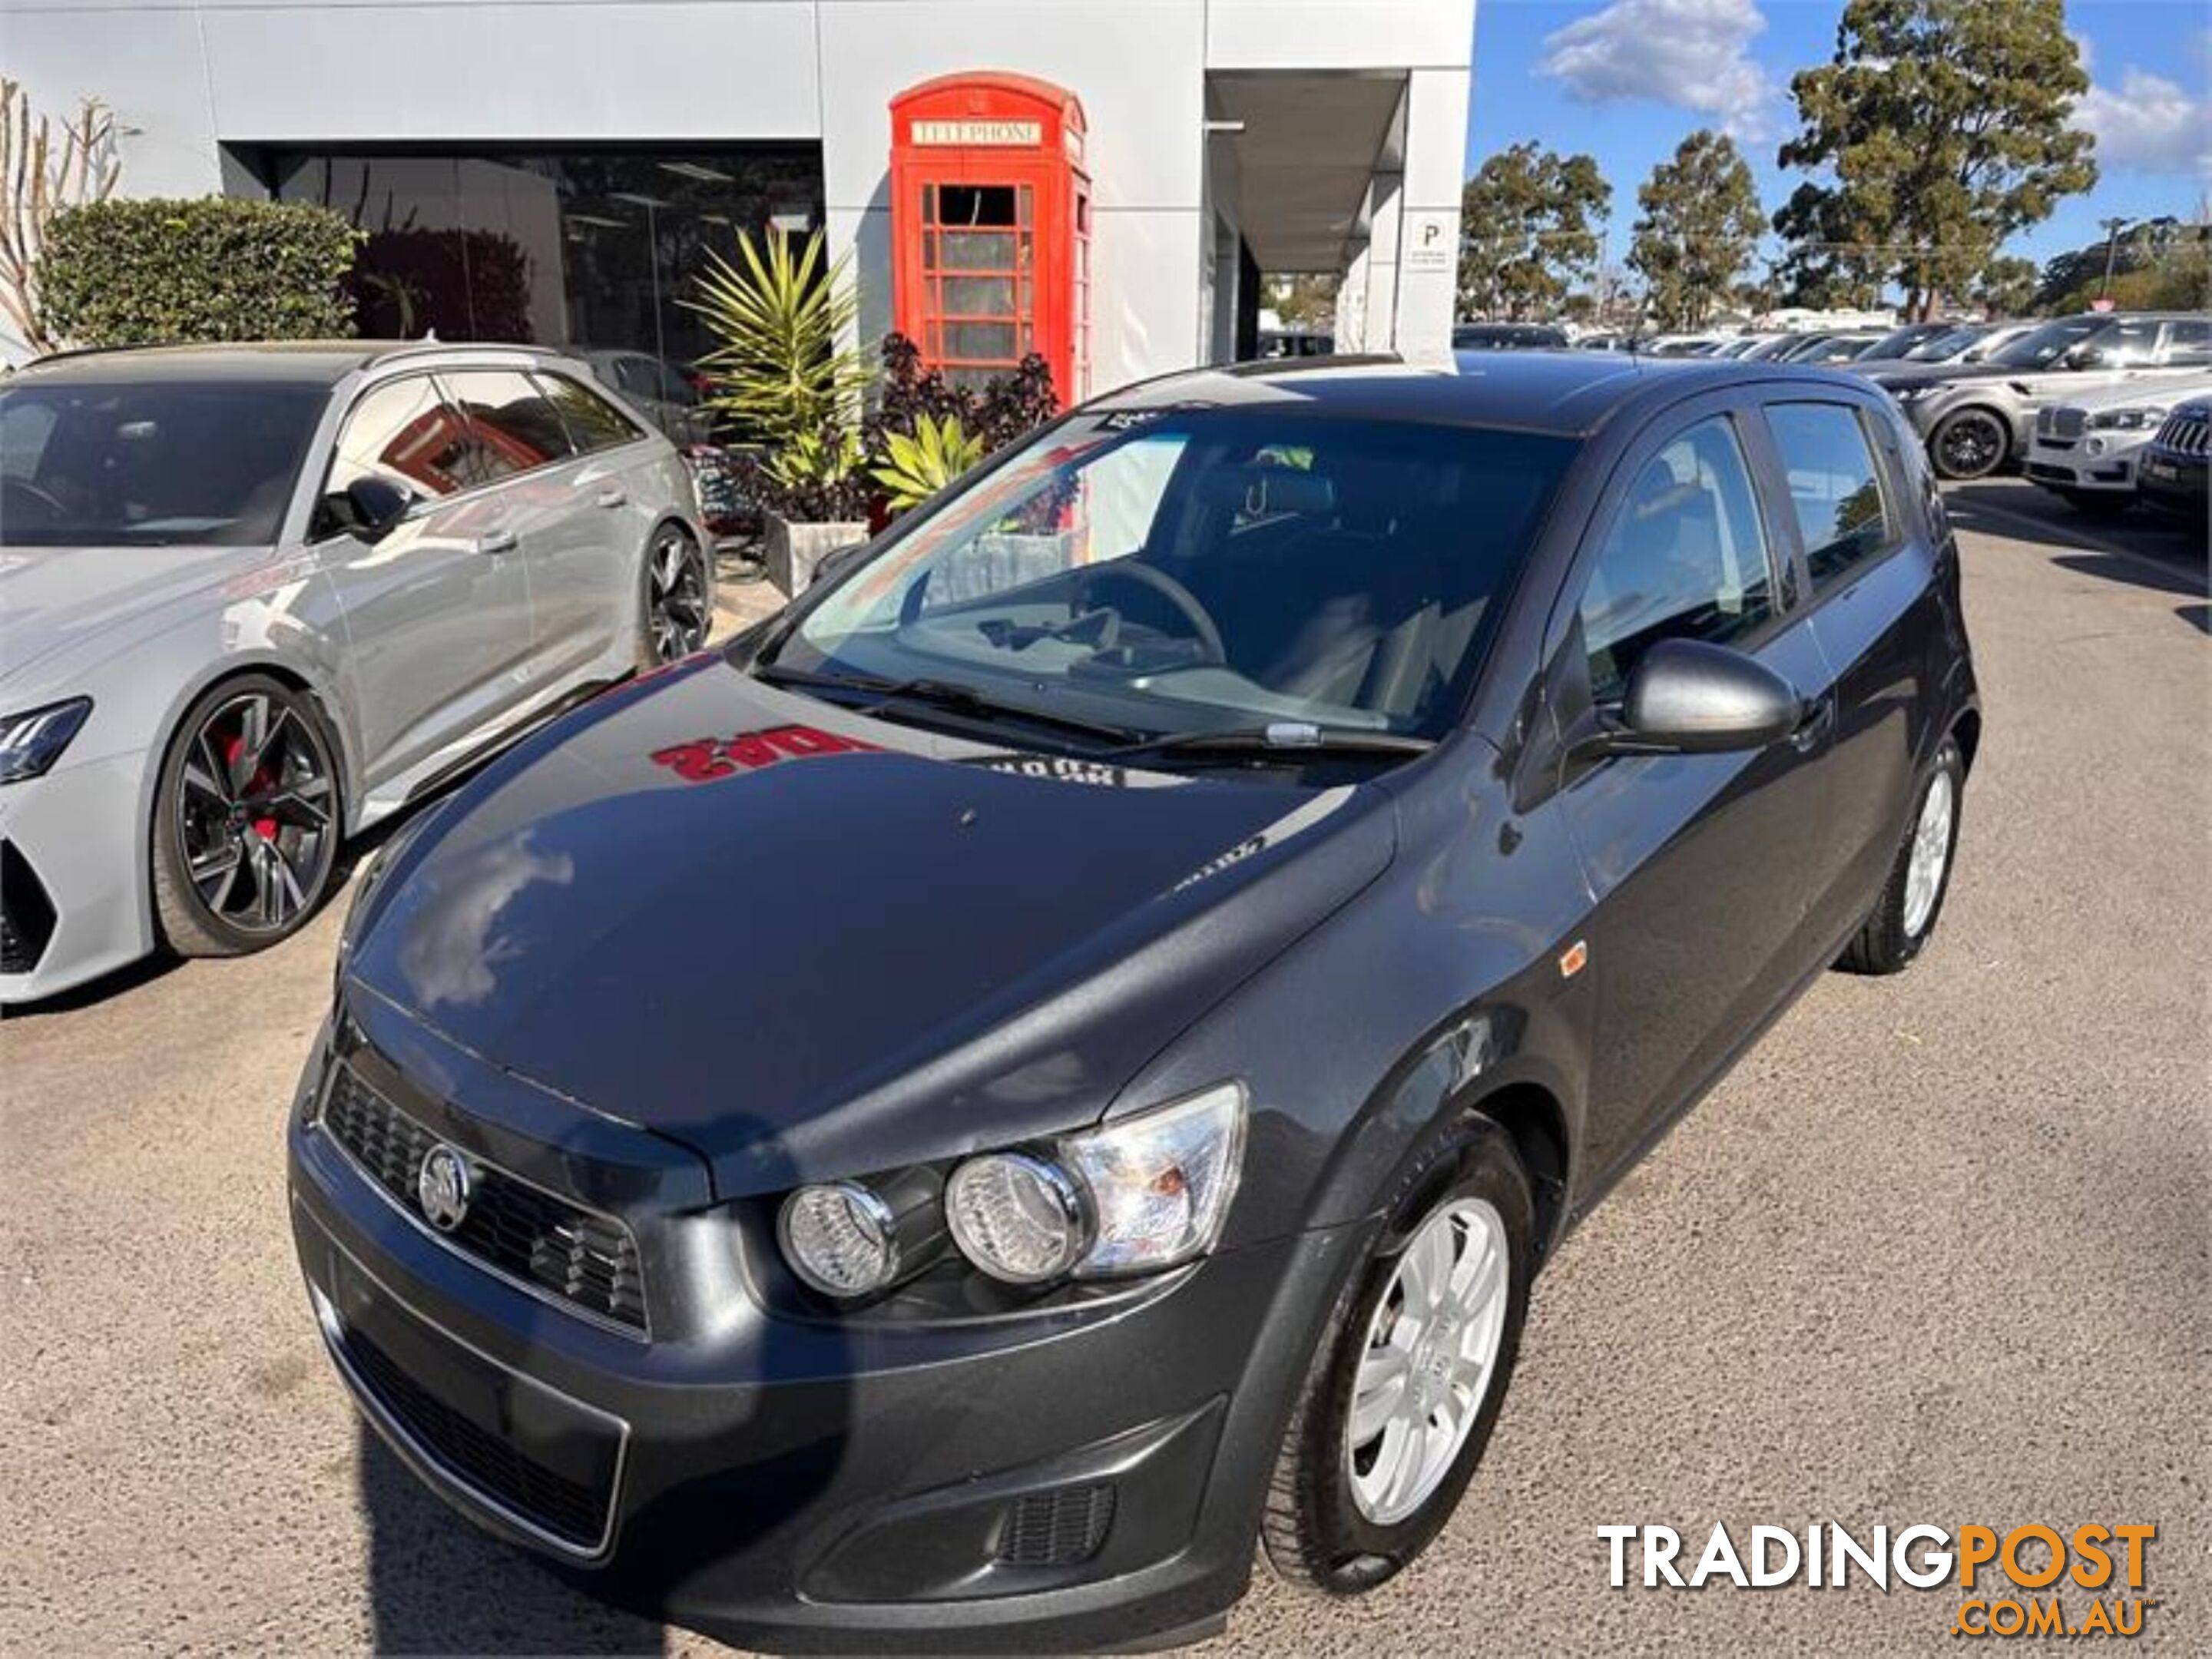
(1941,1250)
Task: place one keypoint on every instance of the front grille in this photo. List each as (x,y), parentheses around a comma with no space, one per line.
(2065,421)
(2187,431)
(27,914)
(574,1256)
(1056,1528)
(571,1511)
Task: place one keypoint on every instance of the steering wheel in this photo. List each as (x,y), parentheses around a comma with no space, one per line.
(52,508)
(1185,602)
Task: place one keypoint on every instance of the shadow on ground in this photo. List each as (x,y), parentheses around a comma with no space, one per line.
(438,1586)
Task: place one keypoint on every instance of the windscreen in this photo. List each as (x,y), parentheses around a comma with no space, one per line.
(160,463)
(1182,571)
(2047,345)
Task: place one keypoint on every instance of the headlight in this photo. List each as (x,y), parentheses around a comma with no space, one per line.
(1159,1183)
(2125,420)
(847,1239)
(1149,1191)
(34,740)
(840,1238)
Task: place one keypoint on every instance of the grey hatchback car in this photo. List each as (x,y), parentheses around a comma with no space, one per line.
(256,598)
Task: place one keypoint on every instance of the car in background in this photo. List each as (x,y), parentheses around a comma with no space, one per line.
(1967,342)
(1900,343)
(256,599)
(1829,350)
(2086,447)
(1043,1070)
(2170,477)
(1280,343)
(659,390)
(1508,336)
(1976,419)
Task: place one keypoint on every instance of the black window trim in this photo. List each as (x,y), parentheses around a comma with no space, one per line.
(1562,627)
(640,431)
(435,373)
(1878,438)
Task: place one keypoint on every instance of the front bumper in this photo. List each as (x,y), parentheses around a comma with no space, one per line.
(1079,1480)
(75,876)
(2174,484)
(2072,464)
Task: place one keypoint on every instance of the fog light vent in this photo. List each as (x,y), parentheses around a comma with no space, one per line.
(1057,1528)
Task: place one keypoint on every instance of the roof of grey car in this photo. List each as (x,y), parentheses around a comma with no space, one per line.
(287,362)
(1565,391)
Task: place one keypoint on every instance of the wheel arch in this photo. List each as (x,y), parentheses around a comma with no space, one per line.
(1533,1116)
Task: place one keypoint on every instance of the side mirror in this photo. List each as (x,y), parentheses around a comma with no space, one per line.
(837,562)
(368,508)
(2090,356)
(1689,697)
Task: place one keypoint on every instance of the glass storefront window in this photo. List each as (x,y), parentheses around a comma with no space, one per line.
(592,250)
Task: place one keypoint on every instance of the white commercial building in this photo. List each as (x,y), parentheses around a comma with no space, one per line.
(552,169)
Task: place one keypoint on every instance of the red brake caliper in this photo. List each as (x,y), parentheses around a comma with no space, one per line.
(265,827)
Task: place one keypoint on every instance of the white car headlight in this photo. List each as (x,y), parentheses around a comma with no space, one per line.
(1158,1184)
(34,740)
(2125,420)
(1146,1192)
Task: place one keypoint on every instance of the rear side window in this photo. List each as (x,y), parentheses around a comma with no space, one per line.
(1834,488)
(512,427)
(2189,342)
(593,422)
(1685,558)
(405,434)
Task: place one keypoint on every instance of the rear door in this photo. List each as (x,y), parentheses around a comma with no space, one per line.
(1852,500)
(587,570)
(1697,863)
(438,610)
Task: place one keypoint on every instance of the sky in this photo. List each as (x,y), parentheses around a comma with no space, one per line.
(1626,81)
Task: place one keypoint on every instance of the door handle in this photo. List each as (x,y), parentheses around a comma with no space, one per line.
(612,495)
(498,541)
(1815,725)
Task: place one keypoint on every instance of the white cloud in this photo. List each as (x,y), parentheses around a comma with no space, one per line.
(1695,54)
(2150,123)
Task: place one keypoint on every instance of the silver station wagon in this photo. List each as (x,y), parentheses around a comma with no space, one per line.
(254,598)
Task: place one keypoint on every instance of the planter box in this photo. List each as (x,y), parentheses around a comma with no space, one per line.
(792,550)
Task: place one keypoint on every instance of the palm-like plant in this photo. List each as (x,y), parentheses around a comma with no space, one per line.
(915,468)
(780,369)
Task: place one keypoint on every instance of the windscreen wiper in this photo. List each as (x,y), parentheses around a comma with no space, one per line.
(947,695)
(1289,741)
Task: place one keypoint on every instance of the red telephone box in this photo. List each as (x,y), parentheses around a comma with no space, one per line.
(991,226)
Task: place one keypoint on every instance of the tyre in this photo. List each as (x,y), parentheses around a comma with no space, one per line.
(678,609)
(1410,1374)
(1970,443)
(1912,898)
(247,818)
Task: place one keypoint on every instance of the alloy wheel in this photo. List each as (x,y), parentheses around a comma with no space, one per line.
(1931,853)
(256,813)
(1426,1366)
(1972,445)
(678,608)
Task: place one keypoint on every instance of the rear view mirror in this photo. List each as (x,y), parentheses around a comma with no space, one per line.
(1689,697)
(368,508)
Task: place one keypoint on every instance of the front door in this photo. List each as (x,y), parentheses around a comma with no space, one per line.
(1699,864)
(438,609)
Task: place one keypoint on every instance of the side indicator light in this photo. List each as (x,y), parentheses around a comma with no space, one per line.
(1572,959)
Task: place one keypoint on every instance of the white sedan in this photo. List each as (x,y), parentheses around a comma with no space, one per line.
(2085,448)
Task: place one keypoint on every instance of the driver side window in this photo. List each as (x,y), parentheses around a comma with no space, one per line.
(1685,558)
